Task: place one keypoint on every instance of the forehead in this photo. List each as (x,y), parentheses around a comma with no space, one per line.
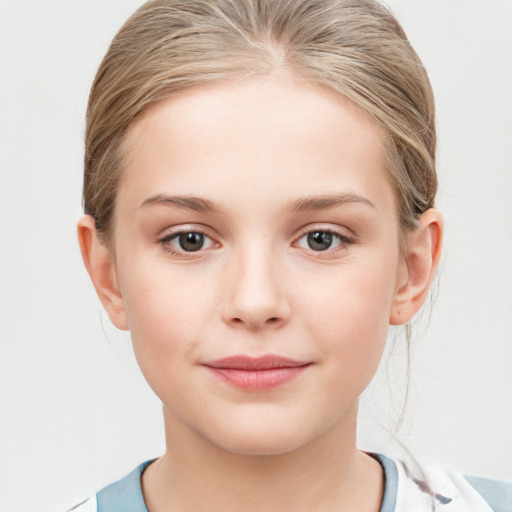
(275,135)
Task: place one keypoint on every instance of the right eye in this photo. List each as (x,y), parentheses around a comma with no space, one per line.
(186,242)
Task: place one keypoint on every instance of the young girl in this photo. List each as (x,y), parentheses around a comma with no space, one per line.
(259,207)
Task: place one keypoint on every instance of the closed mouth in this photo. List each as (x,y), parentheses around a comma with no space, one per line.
(247,363)
(257,373)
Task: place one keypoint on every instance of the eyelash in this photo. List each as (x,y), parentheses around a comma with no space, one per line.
(166,242)
(344,241)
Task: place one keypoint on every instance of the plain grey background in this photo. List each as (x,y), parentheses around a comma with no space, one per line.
(75,413)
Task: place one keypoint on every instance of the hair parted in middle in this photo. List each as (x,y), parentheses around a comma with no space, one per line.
(354,47)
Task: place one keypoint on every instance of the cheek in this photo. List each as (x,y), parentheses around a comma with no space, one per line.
(168,315)
(348,312)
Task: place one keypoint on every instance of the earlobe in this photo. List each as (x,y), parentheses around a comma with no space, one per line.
(418,268)
(99,262)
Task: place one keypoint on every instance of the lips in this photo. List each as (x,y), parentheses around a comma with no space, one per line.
(256,374)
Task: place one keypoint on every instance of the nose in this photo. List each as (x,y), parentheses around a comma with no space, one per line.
(256,292)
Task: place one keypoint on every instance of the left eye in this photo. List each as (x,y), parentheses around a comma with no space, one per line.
(188,241)
(321,240)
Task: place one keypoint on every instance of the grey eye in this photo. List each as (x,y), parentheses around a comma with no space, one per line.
(322,240)
(186,242)
(319,240)
(190,242)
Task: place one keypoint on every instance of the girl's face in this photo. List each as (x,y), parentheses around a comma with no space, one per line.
(255,222)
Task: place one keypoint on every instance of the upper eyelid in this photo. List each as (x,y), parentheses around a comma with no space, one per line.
(343,238)
(329,229)
(173,231)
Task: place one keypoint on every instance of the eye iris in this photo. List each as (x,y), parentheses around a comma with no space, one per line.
(191,241)
(319,240)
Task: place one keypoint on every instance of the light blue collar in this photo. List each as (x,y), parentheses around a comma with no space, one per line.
(125,495)
(390,482)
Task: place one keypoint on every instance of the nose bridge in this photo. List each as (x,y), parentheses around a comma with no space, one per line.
(256,296)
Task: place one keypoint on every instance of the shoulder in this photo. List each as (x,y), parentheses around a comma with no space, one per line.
(431,488)
(125,495)
(497,494)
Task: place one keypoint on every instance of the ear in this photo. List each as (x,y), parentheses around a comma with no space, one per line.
(100,264)
(418,267)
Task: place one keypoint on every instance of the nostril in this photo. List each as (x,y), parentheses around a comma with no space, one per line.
(269,322)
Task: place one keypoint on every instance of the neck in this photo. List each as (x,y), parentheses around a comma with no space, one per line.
(328,473)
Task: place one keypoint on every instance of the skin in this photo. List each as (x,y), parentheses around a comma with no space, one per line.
(273,158)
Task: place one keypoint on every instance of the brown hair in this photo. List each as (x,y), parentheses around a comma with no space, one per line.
(355,47)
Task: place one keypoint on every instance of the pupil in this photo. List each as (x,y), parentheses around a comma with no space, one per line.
(319,240)
(191,241)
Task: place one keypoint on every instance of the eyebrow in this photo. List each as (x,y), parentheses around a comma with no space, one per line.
(303,204)
(188,202)
(323,202)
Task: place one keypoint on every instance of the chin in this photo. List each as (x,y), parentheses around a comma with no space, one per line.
(260,447)
(259,440)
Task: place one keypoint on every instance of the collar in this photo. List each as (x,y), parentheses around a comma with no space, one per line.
(125,495)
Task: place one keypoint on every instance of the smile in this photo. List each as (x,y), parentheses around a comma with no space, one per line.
(256,374)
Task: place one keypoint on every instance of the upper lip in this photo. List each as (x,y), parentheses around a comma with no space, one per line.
(267,362)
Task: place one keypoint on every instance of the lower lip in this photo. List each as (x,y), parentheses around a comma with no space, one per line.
(258,380)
